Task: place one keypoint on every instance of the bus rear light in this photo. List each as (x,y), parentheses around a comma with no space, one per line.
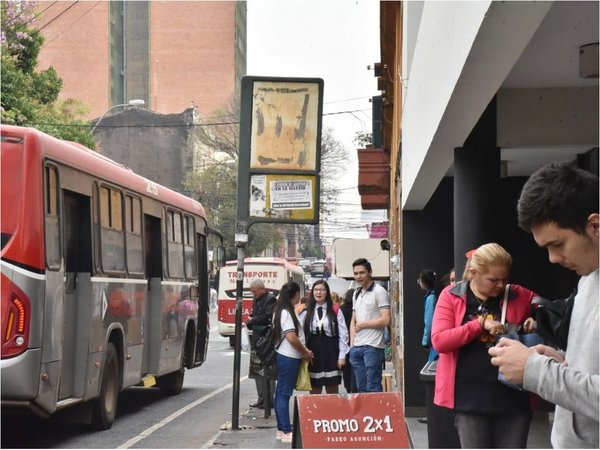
(16,321)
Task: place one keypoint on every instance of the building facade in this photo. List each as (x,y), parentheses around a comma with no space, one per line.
(171,54)
(476,97)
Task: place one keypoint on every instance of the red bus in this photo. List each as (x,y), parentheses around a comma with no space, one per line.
(274,272)
(104,279)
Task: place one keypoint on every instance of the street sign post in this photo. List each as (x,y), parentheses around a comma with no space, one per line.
(278,171)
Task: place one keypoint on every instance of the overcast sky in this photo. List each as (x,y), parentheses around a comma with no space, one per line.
(333,40)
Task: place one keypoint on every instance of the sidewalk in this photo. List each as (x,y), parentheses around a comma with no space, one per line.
(257,432)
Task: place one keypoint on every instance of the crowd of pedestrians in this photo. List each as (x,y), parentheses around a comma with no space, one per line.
(464,323)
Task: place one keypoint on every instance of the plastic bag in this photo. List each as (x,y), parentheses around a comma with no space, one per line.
(303,380)
(245,340)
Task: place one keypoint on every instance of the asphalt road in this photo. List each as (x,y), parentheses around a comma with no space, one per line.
(145,417)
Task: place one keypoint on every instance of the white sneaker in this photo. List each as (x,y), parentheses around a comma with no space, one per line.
(286,437)
(279,435)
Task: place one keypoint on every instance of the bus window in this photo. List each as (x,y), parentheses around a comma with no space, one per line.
(52,223)
(188,248)
(113,257)
(133,227)
(174,245)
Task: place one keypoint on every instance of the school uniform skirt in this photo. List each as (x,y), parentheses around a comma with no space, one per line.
(324,371)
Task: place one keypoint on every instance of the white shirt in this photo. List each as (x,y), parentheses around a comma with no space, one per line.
(366,306)
(287,326)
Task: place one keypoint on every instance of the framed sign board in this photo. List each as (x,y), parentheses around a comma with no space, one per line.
(280,149)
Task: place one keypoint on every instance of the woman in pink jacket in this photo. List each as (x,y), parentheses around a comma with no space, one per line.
(466,322)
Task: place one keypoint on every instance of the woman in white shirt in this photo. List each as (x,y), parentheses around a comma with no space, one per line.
(327,336)
(290,349)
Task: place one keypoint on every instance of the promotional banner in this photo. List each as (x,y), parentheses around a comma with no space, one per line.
(367,420)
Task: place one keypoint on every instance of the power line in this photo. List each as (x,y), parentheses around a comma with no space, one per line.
(51,21)
(191,125)
(70,26)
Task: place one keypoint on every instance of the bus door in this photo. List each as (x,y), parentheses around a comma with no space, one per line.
(203,293)
(152,325)
(77,302)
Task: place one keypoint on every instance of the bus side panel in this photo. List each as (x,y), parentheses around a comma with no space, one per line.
(52,340)
(122,303)
(177,308)
(82,339)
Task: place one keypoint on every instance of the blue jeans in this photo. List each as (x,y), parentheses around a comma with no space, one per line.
(287,369)
(367,363)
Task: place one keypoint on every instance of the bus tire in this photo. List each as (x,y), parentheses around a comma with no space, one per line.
(104,408)
(232,341)
(172,383)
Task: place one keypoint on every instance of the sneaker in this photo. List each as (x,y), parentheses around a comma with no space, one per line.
(286,437)
(279,435)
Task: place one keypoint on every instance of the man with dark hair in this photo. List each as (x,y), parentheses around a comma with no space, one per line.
(371,314)
(559,206)
(263,305)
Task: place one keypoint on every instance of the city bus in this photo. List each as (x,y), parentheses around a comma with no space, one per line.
(274,272)
(104,279)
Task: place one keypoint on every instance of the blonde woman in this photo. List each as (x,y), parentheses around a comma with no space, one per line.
(466,323)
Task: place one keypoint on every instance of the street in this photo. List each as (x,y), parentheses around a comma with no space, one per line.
(145,417)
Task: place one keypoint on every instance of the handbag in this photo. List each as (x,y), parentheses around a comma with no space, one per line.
(264,346)
(303,380)
(514,332)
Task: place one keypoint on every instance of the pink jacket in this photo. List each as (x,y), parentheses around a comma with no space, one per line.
(448,335)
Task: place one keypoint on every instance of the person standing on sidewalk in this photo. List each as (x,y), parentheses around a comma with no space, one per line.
(466,323)
(289,351)
(327,337)
(559,206)
(371,314)
(427,282)
(262,311)
(347,372)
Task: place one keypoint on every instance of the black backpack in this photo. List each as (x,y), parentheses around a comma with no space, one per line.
(553,318)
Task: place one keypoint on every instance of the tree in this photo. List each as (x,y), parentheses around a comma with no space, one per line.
(30,98)
(215,179)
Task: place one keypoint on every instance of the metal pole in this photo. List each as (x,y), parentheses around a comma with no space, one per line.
(237,354)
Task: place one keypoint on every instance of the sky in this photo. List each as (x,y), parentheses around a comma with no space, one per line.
(334,40)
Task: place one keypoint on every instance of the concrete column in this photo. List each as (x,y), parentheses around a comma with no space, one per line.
(476,188)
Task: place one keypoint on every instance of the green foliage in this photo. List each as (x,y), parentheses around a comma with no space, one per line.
(215,182)
(30,98)
(363,139)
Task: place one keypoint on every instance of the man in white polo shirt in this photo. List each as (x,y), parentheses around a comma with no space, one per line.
(370,316)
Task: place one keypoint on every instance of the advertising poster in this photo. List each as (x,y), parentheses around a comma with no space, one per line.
(284,125)
(283,196)
(366,420)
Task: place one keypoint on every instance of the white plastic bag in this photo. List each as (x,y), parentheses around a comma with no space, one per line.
(245,340)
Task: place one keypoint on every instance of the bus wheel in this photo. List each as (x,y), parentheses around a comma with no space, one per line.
(105,406)
(172,383)
(232,341)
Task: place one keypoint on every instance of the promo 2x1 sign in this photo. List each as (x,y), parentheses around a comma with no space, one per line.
(366,420)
